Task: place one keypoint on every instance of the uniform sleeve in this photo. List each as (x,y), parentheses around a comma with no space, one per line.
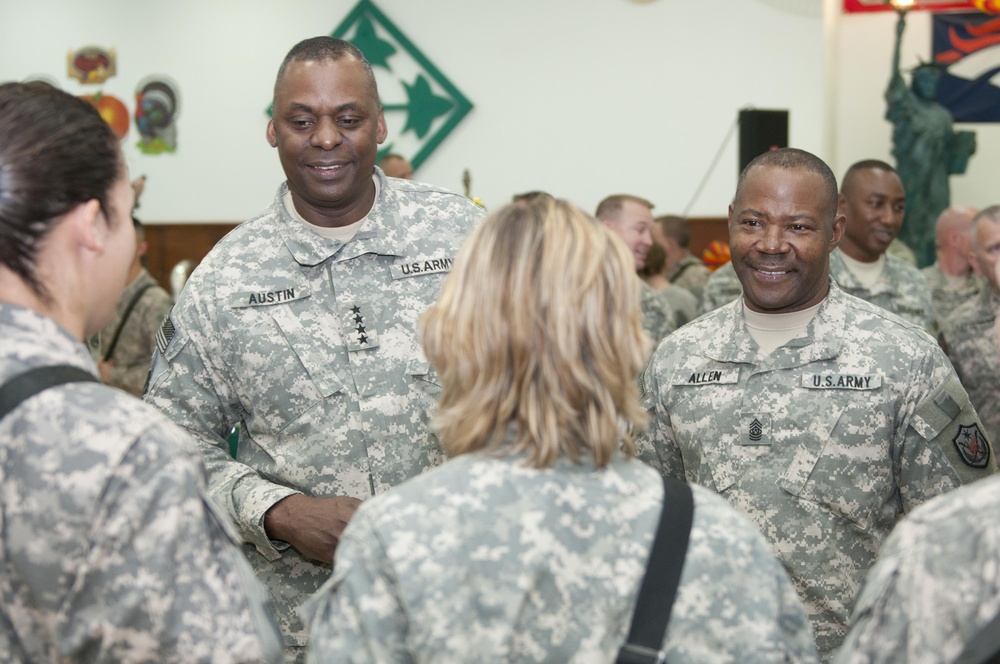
(932,588)
(190,385)
(656,446)
(164,580)
(944,444)
(357,616)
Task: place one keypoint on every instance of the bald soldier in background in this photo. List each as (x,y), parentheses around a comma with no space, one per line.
(966,332)
(820,416)
(951,278)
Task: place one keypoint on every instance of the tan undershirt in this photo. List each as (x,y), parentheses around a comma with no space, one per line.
(342,233)
(867,273)
(772,331)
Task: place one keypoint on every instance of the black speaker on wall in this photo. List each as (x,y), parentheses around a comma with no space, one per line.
(761,131)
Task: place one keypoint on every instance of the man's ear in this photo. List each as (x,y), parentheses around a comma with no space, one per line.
(839,224)
(272,138)
(381,132)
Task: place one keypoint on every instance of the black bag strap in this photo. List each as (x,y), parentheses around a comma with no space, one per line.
(121,326)
(31,382)
(663,574)
(984,648)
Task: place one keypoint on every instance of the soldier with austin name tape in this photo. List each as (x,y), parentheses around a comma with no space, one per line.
(820,416)
(300,326)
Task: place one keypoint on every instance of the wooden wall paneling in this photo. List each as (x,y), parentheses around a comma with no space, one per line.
(169,244)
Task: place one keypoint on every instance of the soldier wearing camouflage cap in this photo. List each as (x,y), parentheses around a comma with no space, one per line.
(300,326)
(820,416)
(529,546)
(110,549)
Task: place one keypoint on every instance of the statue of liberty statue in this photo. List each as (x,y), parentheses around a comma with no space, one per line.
(926,148)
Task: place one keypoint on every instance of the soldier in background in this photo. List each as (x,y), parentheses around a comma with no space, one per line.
(873,203)
(111,549)
(396,166)
(682,267)
(820,416)
(951,278)
(300,326)
(684,304)
(631,219)
(125,346)
(966,333)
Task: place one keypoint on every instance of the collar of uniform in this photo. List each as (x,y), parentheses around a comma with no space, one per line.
(380,234)
(31,339)
(822,340)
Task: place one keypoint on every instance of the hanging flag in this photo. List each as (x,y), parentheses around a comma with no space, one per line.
(968,43)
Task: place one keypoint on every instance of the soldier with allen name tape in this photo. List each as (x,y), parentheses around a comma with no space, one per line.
(300,327)
(820,416)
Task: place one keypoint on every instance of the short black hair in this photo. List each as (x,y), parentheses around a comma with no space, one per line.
(327,49)
(797,160)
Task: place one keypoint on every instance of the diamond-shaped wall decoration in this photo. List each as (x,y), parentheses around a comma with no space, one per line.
(421,105)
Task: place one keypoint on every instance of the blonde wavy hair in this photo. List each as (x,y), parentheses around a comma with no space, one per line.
(537,338)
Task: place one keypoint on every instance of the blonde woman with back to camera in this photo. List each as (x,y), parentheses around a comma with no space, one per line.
(529,545)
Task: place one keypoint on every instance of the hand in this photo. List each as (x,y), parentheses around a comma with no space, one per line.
(312,525)
(105,367)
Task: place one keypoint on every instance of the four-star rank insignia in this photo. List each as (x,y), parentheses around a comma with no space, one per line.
(972,446)
(359,327)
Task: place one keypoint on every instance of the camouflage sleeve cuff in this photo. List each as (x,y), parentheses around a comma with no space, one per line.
(253,499)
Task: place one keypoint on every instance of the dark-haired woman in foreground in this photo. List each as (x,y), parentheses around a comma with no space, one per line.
(109,551)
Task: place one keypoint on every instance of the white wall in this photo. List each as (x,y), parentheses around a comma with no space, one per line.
(579,98)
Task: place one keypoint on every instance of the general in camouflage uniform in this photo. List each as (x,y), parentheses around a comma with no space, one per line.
(110,548)
(947,295)
(310,345)
(300,326)
(825,441)
(551,561)
(901,289)
(146,304)
(935,583)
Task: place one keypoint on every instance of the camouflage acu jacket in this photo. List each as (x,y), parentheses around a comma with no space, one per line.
(110,550)
(310,345)
(934,585)
(486,560)
(823,443)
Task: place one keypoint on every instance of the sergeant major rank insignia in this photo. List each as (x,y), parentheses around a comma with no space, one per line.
(972,446)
